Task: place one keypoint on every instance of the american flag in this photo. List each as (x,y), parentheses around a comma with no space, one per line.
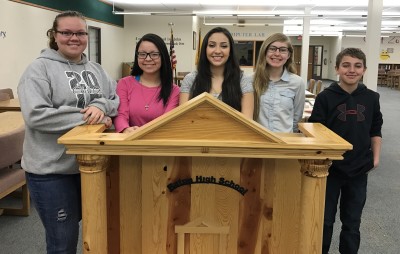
(172,51)
(198,48)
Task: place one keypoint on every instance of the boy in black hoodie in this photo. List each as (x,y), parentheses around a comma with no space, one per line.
(352,111)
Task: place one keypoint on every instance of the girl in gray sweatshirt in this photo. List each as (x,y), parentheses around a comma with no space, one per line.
(58,91)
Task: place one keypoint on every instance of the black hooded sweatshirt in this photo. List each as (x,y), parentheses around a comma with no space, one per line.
(356,117)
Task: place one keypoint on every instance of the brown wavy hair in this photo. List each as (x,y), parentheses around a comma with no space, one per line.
(50,33)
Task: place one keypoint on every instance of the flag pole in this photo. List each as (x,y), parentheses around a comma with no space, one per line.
(198,50)
(172,53)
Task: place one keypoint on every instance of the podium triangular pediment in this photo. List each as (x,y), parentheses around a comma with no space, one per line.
(205,126)
(204,118)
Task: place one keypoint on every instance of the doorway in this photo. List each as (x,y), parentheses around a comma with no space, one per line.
(315,56)
(94,44)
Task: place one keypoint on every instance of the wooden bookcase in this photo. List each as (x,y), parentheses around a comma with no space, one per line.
(388,67)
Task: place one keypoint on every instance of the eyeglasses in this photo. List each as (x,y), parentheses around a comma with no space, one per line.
(69,34)
(282,50)
(153,55)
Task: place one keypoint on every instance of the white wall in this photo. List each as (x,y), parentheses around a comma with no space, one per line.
(195,27)
(25,29)
(335,47)
(387,44)
(137,26)
(25,36)
(112,40)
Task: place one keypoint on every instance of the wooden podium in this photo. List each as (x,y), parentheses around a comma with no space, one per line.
(202,179)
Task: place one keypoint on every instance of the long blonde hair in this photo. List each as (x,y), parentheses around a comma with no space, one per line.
(261,75)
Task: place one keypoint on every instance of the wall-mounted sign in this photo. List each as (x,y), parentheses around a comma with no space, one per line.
(177,40)
(394,40)
(207,180)
(248,34)
(384,55)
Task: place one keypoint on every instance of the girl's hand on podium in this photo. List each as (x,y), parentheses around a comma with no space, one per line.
(131,129)
(92,115)
(108,122)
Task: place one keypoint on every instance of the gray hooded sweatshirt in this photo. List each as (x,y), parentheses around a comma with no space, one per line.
(52,91)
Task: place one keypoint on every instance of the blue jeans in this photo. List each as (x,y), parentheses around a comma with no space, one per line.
(353,194)
(57,199)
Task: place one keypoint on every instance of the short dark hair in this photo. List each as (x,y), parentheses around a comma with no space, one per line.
(165,70)
(353,52)
(50,33)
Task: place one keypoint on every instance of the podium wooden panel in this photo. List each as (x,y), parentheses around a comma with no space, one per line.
(202,179)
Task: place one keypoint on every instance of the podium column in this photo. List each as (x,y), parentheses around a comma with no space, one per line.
(94,206)
(312,204)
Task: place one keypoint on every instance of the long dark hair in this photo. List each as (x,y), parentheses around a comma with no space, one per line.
(231,90)
(165,70)
(50,33)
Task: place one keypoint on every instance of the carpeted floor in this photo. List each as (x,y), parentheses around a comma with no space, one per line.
(381,219)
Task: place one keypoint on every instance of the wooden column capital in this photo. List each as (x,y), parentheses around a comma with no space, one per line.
(315,168)
(91,164)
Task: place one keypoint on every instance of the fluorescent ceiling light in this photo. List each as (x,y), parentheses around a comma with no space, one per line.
(312,33)
(131,13)
(354,35)
(390,23)
(192,2)
(258,2)
(270,13)
(150,2)
(209,2)
(338,13)
(214,13)
(240,24)
(321,22)
(231,2)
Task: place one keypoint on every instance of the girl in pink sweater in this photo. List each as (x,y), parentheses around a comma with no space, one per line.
(149,92)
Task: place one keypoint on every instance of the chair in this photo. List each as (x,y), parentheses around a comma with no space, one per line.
(392,78)
(318,87)
(12,177)
(396,79)
(382,77)
(4,96)
(8,91)
(183,73)
(311,85)
(179,77)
